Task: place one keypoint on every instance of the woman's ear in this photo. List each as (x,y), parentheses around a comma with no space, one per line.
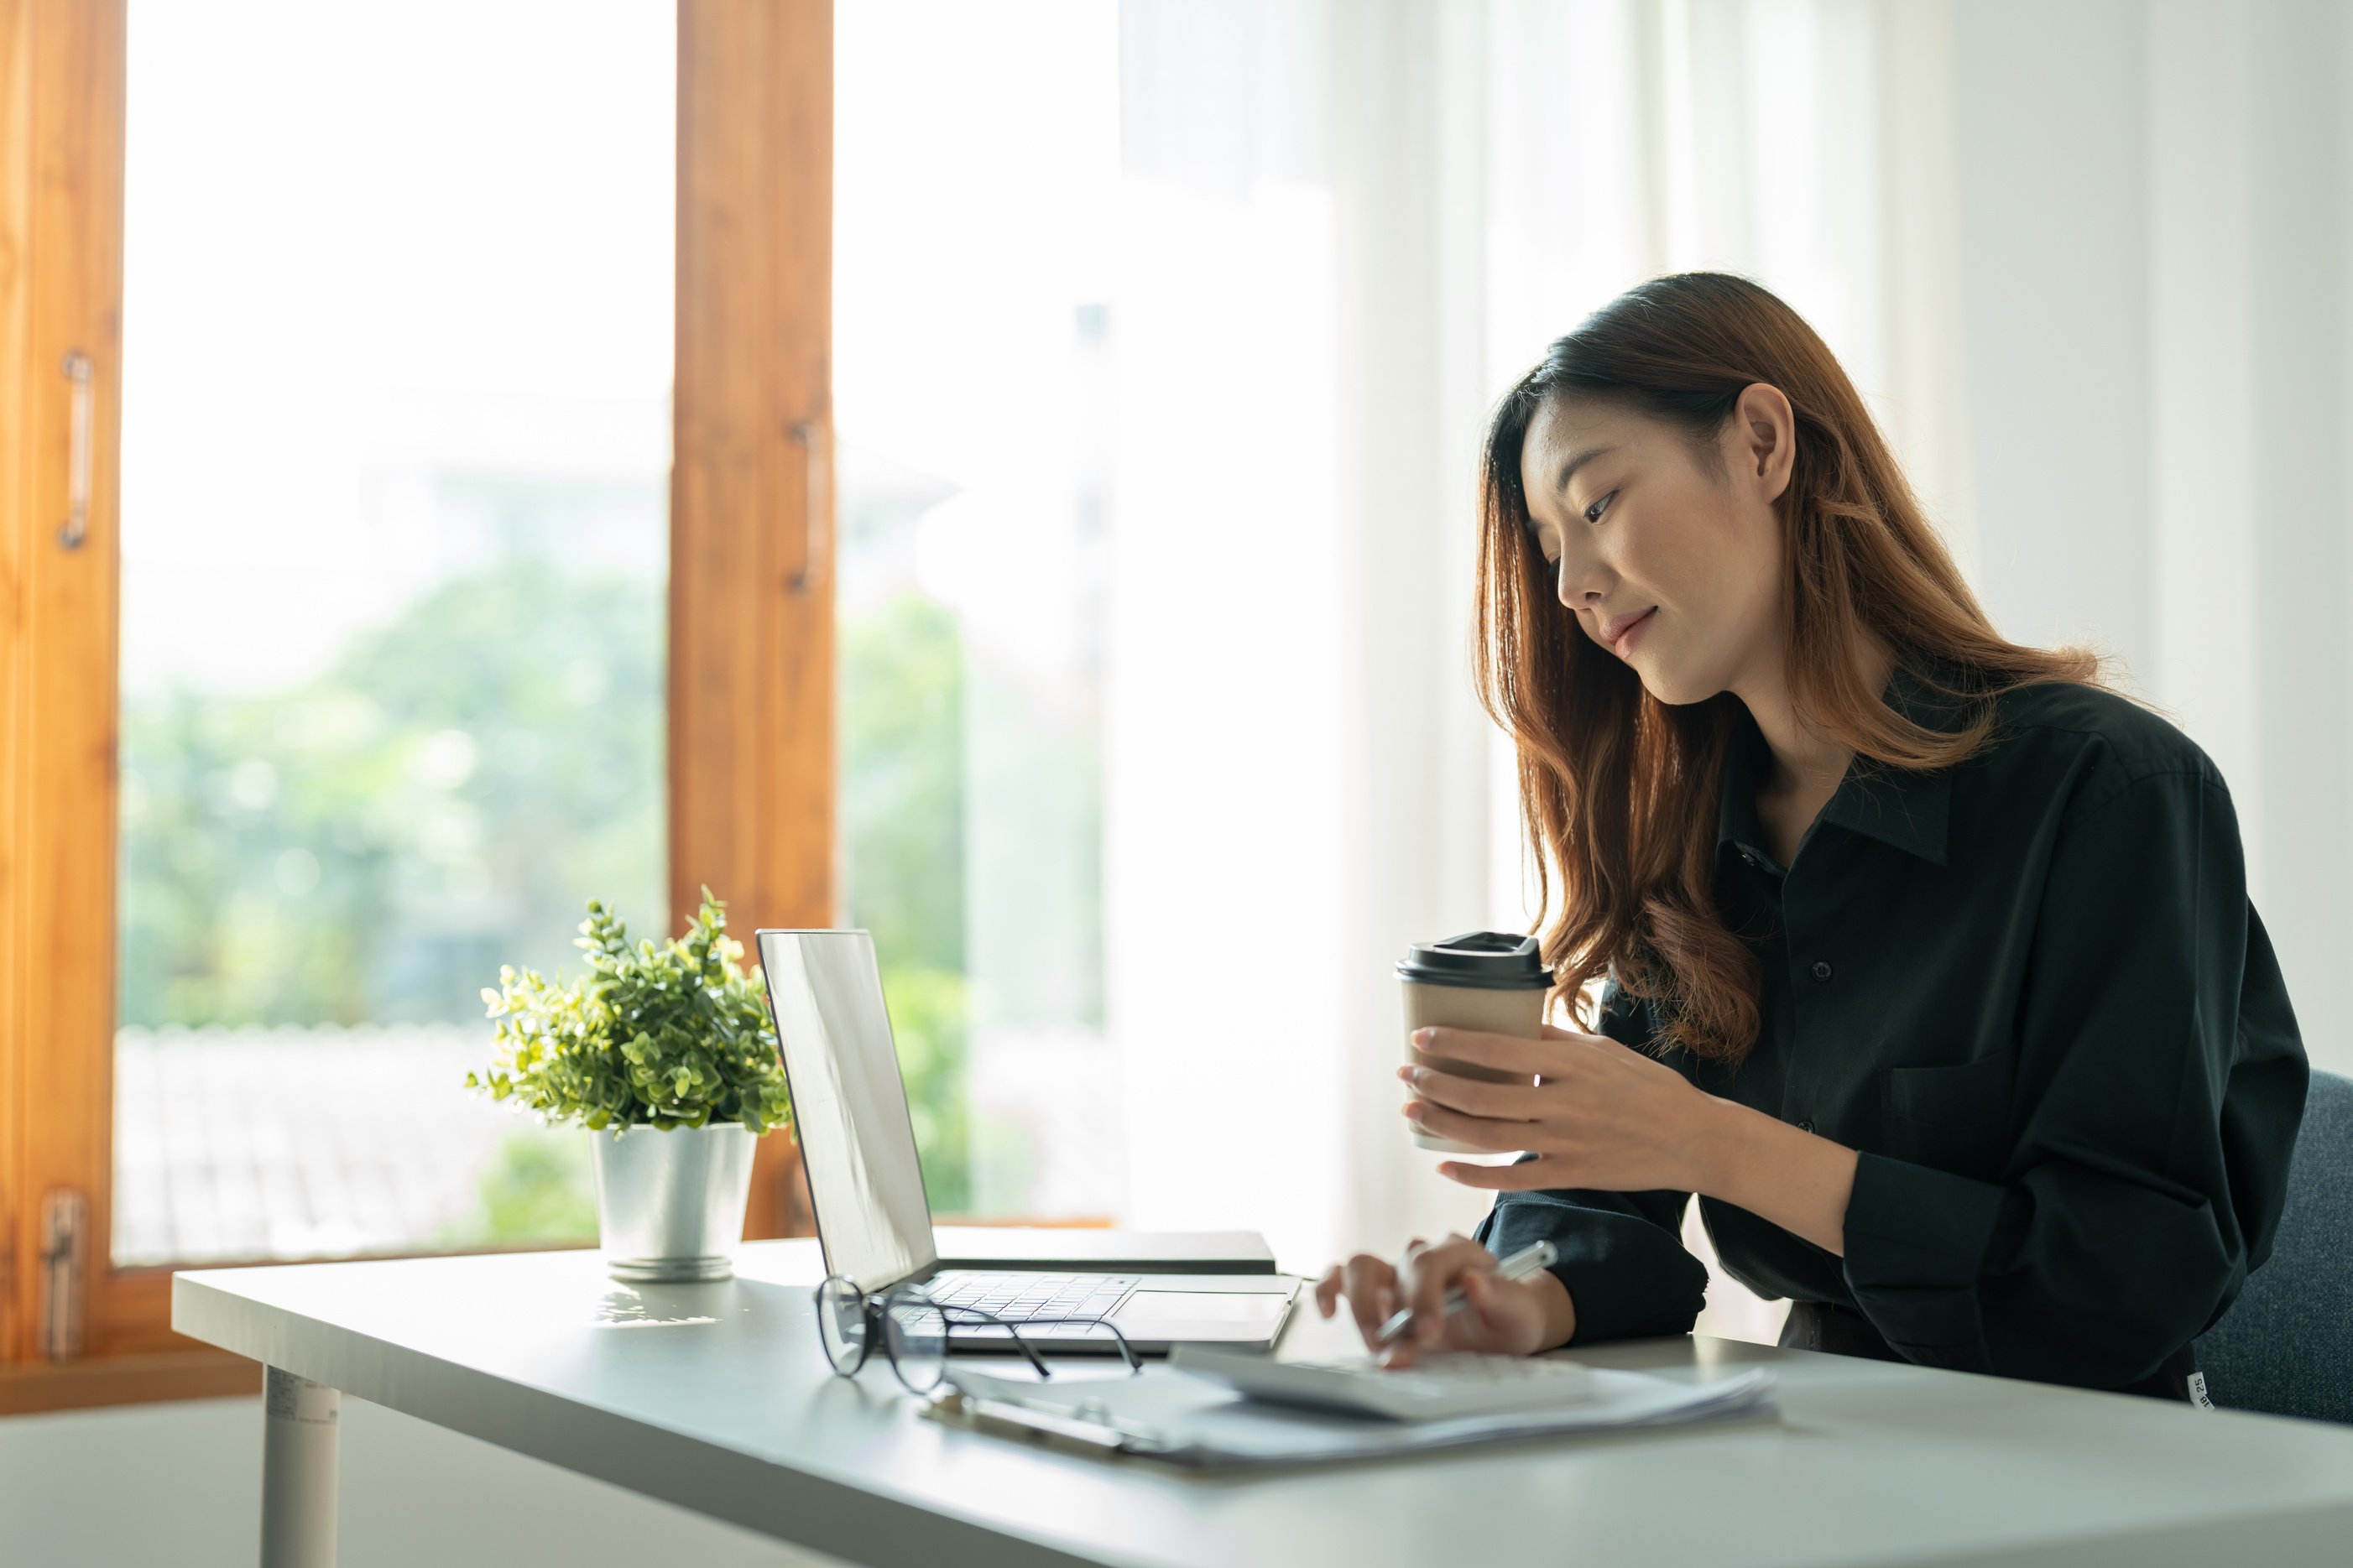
(1764,440)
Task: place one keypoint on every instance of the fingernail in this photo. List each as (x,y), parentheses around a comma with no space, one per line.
(1422,1037)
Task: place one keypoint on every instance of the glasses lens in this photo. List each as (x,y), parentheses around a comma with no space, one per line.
(841,1324)
(918,1334)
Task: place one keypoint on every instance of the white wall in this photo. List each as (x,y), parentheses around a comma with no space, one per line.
(2055,288)
(2154,210)
(181,1484)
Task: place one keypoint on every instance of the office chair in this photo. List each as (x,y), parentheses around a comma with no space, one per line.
(2286,1346)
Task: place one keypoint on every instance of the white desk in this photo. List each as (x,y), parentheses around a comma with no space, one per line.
(717,1398)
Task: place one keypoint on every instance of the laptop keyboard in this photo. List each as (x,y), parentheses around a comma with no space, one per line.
(1019,1296)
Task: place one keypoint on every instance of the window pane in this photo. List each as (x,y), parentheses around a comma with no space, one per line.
(397,324)
(971,391)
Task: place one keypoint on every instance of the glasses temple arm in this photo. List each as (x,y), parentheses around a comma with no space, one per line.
(1011,1332)
(1127,1351)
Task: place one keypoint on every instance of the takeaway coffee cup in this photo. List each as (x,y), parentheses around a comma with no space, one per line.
(1494,982)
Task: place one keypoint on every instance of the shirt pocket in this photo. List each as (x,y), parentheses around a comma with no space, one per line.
(1954,1118)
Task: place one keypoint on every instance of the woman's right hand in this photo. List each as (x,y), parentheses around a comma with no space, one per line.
(1511,1317)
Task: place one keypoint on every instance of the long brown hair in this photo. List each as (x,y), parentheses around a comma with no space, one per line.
(1619,791)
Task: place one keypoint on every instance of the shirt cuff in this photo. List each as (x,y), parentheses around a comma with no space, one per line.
(1626,1277)
(1916,1245)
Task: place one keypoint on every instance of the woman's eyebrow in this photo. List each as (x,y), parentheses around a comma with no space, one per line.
(1577,460)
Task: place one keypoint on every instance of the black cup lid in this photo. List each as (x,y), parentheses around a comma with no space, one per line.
(1482,960)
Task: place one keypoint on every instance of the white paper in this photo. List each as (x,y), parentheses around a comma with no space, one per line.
(1177,1416)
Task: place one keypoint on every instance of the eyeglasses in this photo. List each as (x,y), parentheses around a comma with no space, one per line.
(914,1329)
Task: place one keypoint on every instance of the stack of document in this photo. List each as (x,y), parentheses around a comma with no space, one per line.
(1172,1415)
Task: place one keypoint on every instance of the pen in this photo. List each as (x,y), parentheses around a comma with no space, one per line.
(1518,1265)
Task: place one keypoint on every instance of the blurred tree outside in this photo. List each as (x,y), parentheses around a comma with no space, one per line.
(902,811)
(539,1187)
(368,843)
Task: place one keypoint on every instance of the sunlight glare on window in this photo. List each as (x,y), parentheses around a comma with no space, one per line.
(972,391)
(398,349)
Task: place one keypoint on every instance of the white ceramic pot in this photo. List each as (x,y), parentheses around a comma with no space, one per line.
(669,1204)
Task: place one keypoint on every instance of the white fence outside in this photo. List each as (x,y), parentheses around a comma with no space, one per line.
(317,1141)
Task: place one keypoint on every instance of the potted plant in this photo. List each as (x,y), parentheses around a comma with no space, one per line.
(668,1053)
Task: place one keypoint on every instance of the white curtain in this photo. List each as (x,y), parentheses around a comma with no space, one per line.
(2086,261)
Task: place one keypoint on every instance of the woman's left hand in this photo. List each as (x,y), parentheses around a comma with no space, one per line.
(1598,1115)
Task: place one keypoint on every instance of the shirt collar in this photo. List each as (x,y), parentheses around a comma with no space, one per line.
(1897,806)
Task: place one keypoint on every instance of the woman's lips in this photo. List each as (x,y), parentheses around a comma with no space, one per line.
(1624,645)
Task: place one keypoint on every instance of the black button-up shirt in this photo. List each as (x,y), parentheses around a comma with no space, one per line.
(2032,991)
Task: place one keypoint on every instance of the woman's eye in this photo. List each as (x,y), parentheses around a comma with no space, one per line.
(1593,513)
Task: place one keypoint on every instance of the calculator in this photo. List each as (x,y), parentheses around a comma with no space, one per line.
(1439,1384)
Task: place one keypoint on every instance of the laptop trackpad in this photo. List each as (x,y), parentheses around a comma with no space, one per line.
(1199,1314)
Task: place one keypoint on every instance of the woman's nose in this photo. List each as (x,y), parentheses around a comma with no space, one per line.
(1581,586)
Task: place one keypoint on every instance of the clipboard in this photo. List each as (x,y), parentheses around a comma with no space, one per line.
(1167,1414)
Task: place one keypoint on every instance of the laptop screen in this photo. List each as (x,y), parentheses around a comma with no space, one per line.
(849,1107)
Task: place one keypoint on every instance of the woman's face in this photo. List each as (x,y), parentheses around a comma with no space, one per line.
(1681,566)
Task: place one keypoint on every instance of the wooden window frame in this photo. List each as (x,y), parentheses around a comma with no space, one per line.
(751,675)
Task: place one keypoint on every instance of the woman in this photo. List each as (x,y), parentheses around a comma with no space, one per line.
(1929,961)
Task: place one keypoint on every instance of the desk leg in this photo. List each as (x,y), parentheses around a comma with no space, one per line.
(299,1422)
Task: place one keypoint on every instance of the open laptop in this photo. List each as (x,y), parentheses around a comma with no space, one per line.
(866,1184)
